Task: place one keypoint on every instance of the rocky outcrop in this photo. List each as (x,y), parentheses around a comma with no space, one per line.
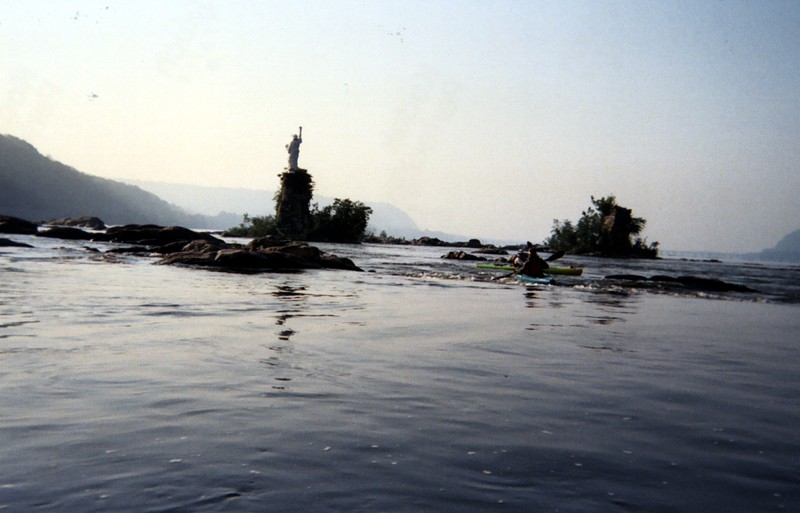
(66,233)
(257,258)
(689,282)
(17,226)
(475,244)
(181,246)
(292,206)
(462,255)
(90,223)
(488,250)
(429,241)
(269,241)
(154,235)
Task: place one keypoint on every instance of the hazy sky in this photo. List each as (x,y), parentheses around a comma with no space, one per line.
(483,118)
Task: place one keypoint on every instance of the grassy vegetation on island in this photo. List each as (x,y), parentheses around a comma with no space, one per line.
(343,221)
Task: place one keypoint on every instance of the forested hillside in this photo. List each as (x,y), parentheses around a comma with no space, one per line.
(37,188)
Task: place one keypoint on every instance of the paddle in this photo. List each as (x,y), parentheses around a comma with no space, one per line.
(554,256)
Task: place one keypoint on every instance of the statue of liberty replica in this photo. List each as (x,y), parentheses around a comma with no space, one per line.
(294,150)
(292,212)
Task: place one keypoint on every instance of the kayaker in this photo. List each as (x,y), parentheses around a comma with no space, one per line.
(534,265)
(519,259)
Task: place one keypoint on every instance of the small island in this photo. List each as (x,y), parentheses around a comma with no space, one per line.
(605,229)
(296,218)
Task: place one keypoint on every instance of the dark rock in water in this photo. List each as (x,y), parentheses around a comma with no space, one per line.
(240,259)
(187,247)
(172,247)
(428,241)
(299,250)
(194,245)
(628,277)
(330,261)
(17,226)
(462,255)
(474,243)
(311,256)
(492,251)
(178,233)
(66,233)
(91,223)
(289,256)
(206,246)
(154,235)
(193,258)
(664,279)
(138,250)
(690,282)
(8,243)
(131,234)
(712,284)
(270,241)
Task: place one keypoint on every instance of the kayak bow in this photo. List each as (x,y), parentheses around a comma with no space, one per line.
(530,279)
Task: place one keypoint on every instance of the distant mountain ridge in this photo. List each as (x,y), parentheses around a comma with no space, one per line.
(786,250)
(37,188)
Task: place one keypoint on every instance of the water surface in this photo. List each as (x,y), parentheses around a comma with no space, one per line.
(421,386)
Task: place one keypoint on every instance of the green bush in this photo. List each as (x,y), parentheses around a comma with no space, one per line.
(343,221)
(255,227)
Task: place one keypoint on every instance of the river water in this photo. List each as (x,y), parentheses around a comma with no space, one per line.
(420,385)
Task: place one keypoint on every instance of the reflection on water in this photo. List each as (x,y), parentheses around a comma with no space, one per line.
(290,293)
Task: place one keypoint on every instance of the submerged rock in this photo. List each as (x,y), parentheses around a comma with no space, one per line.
(626,277)
(8,243)
(712,284)
(689,282)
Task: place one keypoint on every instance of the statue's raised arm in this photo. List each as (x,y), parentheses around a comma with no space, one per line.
(294,150)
